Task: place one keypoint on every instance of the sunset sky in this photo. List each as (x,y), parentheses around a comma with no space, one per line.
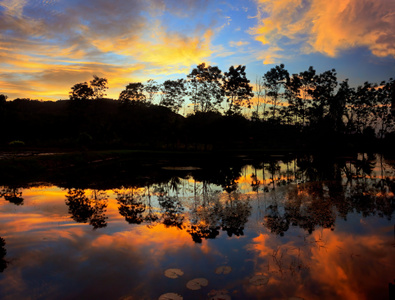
(48,46)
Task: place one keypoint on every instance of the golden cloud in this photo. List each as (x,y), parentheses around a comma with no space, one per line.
(46,40)
(327,27)
(175,50)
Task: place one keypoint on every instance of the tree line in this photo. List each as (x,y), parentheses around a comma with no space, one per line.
(304,99)
(225,109)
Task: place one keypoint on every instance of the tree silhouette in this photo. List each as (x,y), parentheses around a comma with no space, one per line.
(152,88)
(133,93)
(205,88)
(361,108)
(259,93)
(306,85)
(3,99)
(94,90)
(81,91)
(322,95)
(290,114)
(99,86)
(383,117)
(337,107)
(274,80)
(173,92)
(237,89)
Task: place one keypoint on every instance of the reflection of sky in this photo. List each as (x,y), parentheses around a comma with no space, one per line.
(51,256)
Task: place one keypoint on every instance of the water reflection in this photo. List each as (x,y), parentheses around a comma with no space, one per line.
(12,194)
(313,227)
(84,209)
(131,206)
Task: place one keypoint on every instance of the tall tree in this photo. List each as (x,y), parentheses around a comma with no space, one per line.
(99,86)
(306,85)
(275,80)
(237,89)
(81,91)
(384,119)
(205,88)
(133,93)
(259,94)
(337,106)
(84,91)
(322,94)
(293,97)
(361,108)
(173,93)
(151,88)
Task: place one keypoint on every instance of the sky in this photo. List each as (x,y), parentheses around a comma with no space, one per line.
(47,46)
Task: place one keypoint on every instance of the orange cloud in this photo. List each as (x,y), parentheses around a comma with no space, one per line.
(327,27)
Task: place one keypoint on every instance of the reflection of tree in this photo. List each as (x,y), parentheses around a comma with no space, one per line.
(3,252)
(277,223)
(151,217)
(131,206)
(99,199)
(205,217)
(84,209)
(12,195)
(273,167)
(235,215)
(316,168)
(359,168)
(227,178)
(316,203)
(308,206)
(255,182)
(373,199)
(171,208)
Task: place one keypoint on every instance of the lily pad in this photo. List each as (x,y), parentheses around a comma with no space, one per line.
(259,280)
(170,296)
(173,273)
(197,283)
(223,270)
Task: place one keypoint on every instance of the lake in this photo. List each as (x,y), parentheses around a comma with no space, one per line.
(278,227)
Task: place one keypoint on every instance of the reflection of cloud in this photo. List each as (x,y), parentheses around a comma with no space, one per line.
(345,264)
(334,264)
(326,26)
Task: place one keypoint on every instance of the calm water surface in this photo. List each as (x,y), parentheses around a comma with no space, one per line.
(275,229)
